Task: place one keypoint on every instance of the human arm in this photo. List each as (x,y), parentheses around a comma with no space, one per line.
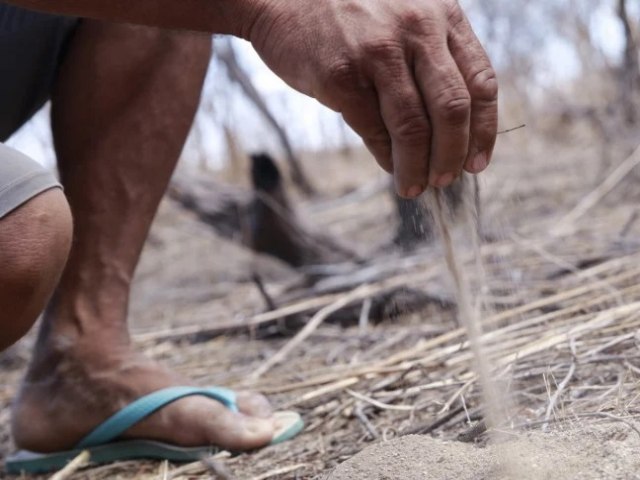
(232,17)
(409,76)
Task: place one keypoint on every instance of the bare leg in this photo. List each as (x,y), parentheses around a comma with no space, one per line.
(125,100)
(34,244)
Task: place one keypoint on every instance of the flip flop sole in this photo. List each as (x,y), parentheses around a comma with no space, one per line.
(289,424)
(31,462)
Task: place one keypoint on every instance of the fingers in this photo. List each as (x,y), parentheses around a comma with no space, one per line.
(362,114)
(347,91)
(449,106)
(405,118)
(482,85)
(424,101)
(425,131)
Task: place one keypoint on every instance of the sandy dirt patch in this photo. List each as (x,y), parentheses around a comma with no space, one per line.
(598,453)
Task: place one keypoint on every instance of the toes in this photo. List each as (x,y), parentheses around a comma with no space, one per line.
(198,421)
(238,432)
(254,405)
(256,432)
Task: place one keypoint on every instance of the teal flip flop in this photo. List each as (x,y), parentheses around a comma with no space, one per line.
(104,448)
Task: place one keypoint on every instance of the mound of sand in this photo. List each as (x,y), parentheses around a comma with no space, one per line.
(598,453)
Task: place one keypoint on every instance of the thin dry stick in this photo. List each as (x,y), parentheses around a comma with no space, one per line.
(268,299)
(399,280)
(554,398)
(618,419)
(438,352)
(73,466)
(428,427)
(281,471)
(509,130)
(458,393)
(575,416)
(362,417)
(601,320)
(307,304)
(568,265)
(363,321)
(380,405)
(434,343)
(308,329)
(629,225)
(217,468)
(609,344)
(600,192)
(331,388)
(195,468)
(164,471)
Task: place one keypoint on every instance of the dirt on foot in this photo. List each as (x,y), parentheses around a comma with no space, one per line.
(597,453)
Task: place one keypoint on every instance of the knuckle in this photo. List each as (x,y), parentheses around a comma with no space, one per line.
(454,107)
(413,19)
(378,138)
(484,85)
(382,50)
(342,75)
(423,21)
(454,12)
(412,128)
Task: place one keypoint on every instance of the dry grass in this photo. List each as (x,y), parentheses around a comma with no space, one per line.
(562,341)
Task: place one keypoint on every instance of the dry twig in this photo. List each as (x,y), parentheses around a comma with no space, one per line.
(81,460)
(308,329)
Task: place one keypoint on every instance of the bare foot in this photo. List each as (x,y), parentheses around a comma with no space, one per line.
(66,397)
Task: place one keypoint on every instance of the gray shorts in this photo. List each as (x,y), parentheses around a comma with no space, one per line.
(21,179)
(32,46)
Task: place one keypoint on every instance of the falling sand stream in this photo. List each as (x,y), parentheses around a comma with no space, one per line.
(470,310)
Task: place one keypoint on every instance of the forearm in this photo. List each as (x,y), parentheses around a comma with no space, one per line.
(214,16)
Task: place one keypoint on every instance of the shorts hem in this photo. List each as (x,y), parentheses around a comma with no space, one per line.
(24,188)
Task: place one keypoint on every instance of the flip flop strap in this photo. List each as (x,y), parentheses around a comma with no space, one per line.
(141,408)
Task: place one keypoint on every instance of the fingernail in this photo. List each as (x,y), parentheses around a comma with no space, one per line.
(444,180)
(479,162)
(415,191)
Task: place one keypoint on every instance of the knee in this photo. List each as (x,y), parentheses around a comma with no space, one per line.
(35,240)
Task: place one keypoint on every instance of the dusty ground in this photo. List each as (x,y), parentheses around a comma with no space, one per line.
(564,304)
(587,454)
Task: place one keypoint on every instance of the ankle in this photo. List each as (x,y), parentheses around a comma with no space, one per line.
(75,313)
(64,343)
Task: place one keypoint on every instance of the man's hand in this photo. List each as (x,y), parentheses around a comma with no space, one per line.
(409,76)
